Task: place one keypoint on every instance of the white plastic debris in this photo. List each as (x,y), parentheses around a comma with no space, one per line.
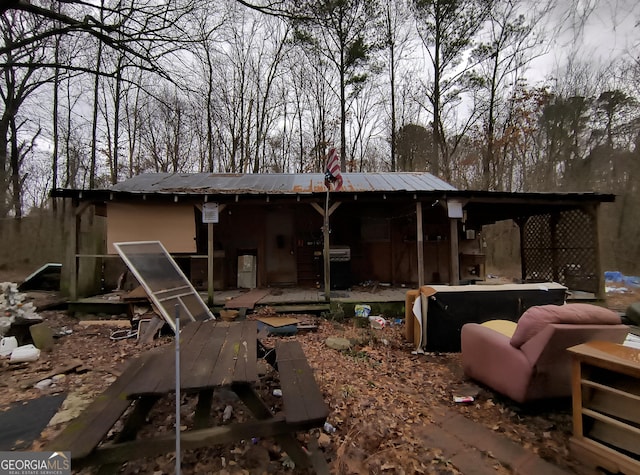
(328,428)
(7,345)
(44,384)
(277,392)
(25,353)
(226,414)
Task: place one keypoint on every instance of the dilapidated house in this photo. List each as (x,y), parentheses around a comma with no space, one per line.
(243,230)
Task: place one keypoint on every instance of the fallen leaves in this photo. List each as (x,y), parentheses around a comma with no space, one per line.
(381,399)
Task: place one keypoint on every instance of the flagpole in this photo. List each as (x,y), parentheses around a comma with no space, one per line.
(327,265)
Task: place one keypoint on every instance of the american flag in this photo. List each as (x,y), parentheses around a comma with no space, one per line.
(332,173)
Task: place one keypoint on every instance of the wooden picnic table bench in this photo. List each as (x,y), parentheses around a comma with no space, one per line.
(213,355)
(303,401)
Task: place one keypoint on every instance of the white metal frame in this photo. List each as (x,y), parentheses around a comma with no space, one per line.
(158,297)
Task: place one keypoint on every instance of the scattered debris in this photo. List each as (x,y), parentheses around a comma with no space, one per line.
(7,345)
(377,322)
(226,414)
(14,309)
(463,399)
(70,366)
(362,311)
(44,384)
(42,336)
(25,354)
(328,428)
(229,315)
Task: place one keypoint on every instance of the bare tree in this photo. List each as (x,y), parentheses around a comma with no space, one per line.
(339,31)
(19,81)
(396,39)
(447,29)
(512,39)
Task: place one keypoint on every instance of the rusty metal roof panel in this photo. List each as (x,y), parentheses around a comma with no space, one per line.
(278,183)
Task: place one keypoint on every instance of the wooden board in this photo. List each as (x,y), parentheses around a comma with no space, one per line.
(277,322)
(303,401)
(247,300)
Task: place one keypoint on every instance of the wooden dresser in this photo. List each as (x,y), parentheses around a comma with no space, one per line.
(606,406)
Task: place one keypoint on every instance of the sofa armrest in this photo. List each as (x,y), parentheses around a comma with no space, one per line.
(488,357)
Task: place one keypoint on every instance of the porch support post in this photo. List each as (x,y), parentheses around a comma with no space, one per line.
(73,223)
(521,222)
(210,258)
(210,264)
(594,212)
(420,244)
(454,277)
(555,270)
(326,213)
(327,264)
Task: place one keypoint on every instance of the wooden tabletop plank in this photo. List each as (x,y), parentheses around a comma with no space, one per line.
(212,353)
(250,369)
(159,377)
(222,373)
(200,374)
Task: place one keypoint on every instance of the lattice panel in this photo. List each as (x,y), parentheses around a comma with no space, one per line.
(561,248)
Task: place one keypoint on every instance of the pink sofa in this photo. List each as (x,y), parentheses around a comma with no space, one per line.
(532,362)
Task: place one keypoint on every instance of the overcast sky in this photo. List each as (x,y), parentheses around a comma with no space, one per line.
(611,30)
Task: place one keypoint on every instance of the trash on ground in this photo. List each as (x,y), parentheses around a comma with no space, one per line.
(377,322)
(7,345)
(463,399)
(362,310)
(328,428)
(277,392)
(44,384)
(24,353)
(226,414)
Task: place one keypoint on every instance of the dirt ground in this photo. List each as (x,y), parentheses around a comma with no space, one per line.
(380,397)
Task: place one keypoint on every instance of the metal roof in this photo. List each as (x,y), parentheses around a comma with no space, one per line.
(278,183)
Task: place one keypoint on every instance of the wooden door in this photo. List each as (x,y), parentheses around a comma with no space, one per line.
(280,259)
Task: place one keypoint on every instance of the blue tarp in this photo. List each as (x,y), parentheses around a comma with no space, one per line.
(628,280)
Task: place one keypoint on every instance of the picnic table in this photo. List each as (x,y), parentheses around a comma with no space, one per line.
(214,354)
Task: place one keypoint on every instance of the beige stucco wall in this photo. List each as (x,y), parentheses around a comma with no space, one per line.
(171,224)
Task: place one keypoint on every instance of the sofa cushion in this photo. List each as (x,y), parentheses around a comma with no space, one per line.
(536,318)
(506,327)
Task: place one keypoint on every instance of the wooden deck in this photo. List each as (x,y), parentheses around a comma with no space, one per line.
(289,299)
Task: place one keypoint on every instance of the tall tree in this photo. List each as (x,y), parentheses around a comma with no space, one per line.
(447,29)
(396,36)
(21,78)
(339,31)
(512,41)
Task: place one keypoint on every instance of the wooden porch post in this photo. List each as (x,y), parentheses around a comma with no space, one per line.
(521,222)
(210,264)
(594,212)
(420,244)
(73,221)
(554,247)
(326,261)
(326,212)
(454,277)
(210,258)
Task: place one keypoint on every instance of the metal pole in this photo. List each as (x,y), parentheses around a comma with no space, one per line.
(177,389)
(210,253)
(327,265)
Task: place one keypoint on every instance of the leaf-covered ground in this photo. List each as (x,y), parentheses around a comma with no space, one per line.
(381,398)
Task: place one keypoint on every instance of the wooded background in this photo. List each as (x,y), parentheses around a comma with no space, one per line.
(486,94)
